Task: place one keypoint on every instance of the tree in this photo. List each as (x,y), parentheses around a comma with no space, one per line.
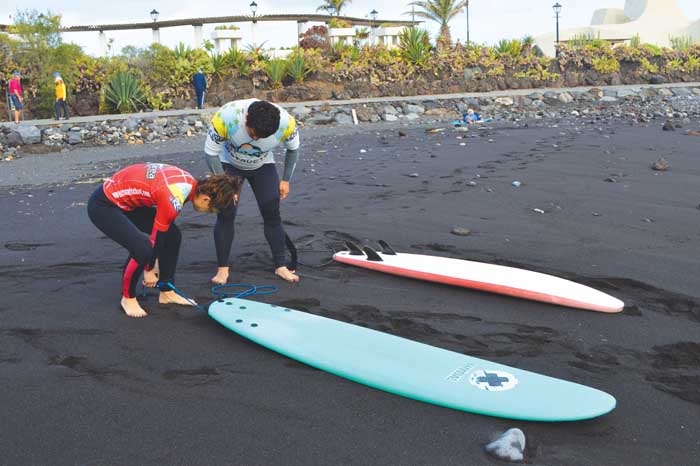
(442,12)
(332,6)
(38,31)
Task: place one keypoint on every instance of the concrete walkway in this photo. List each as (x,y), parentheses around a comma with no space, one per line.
(355,102)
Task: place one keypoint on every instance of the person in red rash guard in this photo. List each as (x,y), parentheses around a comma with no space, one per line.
(137,208)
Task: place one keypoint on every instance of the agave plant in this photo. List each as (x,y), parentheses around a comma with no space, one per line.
(218,64)
(257,51)
(124,94)
(414,44)
(297,67)
(238,60)
(276,70)
(182,51)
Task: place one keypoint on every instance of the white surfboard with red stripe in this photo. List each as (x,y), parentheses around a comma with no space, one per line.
(484,277)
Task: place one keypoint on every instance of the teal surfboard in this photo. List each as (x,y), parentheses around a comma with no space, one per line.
(409,368)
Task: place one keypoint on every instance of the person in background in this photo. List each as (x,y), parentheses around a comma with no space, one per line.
(60,106)
(16,95)
(200,86)
(472,117)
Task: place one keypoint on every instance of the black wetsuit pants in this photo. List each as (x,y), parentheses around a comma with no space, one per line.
(265,183)
(131,229)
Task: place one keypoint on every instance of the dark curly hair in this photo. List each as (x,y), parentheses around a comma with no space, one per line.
(221,189)
(263,118)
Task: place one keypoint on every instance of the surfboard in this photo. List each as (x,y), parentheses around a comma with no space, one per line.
(499,279)
(408,368)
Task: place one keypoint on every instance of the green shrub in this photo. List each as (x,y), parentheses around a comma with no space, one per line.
(227,27)
(496,71)
(579,41)
(674,65)
(599,44)
(538,70)
(692,64)
(654,50)
(513,48)
(635,41)
(606,65)
(414,44)
(124,94)
(157,101)
(681,44)
(648,67)
(276,69)
(341,52)
(336,23)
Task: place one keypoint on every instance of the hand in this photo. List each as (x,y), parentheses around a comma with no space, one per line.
(150,278)
(284,189)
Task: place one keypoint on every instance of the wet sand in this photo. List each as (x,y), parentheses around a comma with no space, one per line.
(83,384)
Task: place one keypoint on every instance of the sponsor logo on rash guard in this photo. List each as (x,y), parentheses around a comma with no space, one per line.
(130,192)
(177,205)
(152,170)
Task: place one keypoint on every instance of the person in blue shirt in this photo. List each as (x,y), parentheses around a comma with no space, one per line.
(472,117)
(200,86)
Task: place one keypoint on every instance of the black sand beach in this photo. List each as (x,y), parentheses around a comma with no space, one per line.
(85,385)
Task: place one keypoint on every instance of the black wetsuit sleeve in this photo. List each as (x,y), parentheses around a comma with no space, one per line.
(290,163)
(157,247)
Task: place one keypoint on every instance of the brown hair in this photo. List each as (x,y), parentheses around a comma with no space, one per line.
(221,189)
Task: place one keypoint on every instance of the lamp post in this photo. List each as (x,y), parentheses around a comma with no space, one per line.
(331,10)
(156,31)
(466,8)
(557,11)
(373,15)
(253,9)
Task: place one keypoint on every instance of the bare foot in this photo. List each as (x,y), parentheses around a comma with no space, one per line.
(285,274)
(170,297)
(221,276)
(132,308)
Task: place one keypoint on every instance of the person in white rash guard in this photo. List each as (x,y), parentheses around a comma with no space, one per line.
(239,142)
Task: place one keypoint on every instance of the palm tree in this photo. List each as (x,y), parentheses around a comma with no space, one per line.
(441,11)
(333,6)
(528,44)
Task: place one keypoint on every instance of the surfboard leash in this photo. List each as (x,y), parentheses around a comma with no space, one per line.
(220,292)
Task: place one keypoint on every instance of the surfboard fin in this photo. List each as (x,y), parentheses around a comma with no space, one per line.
(372,254)
(386,249)
(354,249)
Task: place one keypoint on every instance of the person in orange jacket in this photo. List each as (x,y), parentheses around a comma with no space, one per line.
(60,104)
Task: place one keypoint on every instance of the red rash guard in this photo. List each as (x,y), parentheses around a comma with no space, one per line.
(154,185)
